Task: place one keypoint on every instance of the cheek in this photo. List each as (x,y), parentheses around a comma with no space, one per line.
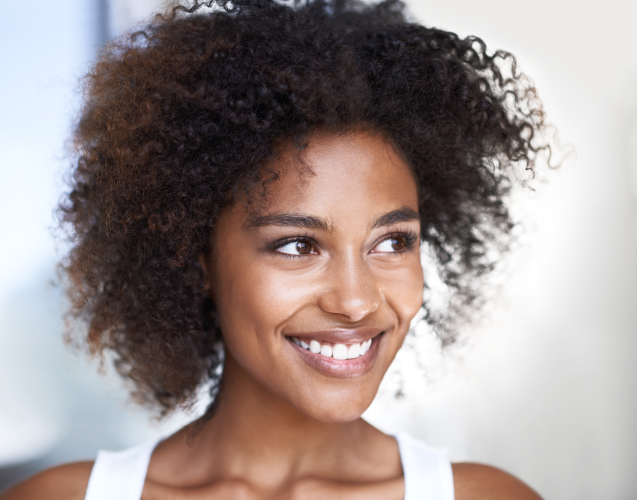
(253,302)
(264,296)
(404,292)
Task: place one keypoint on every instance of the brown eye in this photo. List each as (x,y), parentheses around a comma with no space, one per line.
(398,244)
(395,244)
(297,247)
(303,247)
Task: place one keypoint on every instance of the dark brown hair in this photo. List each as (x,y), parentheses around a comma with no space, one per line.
(182,115)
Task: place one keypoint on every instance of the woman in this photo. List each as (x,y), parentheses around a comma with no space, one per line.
(253,188)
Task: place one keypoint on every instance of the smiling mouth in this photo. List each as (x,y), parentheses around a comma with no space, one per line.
(338,360)
(336,351)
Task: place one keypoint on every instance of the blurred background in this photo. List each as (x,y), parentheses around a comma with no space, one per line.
(545,386)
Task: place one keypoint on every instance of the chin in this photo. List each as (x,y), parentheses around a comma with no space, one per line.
(336,408)
(337,416)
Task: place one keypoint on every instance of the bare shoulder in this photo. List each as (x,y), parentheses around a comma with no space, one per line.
(65,482)
(482,482)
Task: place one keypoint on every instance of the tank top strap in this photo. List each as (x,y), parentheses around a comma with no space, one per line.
(427,470)
(120,475)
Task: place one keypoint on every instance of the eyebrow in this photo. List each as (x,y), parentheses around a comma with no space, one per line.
(291,220)
(303,221)
(403,214)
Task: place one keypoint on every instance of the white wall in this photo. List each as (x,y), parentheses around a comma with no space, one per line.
(545,388)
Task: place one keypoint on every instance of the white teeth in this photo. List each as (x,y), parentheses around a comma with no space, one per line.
(340,351)
(337,351)
(365,346)
(326,350)
(315,347)
(354,351)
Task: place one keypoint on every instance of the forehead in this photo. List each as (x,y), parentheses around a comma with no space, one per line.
(355,171)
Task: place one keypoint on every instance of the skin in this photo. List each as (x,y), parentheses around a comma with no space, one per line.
(285,429)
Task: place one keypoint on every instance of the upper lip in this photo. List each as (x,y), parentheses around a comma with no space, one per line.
(340,335)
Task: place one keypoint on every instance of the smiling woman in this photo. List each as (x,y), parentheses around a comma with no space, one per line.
(253,186)
(333,263)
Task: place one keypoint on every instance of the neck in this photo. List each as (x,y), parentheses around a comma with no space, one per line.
(255,423)
(257,438)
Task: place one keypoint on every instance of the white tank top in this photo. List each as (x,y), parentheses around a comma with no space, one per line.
(121,475)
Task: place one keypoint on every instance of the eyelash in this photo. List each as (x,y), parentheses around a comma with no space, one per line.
(409,236)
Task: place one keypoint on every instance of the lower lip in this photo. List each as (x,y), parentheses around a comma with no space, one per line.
(340,368)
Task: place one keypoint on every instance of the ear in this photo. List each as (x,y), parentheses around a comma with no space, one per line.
(203,261)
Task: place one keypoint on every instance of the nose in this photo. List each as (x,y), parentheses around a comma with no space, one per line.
(351,289)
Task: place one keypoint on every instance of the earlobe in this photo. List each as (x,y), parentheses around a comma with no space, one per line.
(204,264)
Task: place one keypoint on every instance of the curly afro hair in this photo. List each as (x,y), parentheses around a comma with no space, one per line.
(182,116)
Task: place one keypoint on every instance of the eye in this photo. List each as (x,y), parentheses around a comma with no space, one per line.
(398,242)
(296,247)
(394,244)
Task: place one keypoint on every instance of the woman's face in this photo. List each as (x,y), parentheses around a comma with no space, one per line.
(331,263)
